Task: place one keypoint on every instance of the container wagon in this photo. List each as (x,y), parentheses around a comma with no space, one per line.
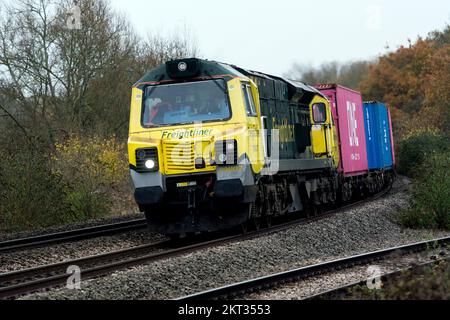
(346,108)
(378,136)
(379,142)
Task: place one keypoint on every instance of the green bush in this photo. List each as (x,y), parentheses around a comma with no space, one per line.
(31,196)
(416,148)
(84,203)
(92,168)
(79,180)
(430,206)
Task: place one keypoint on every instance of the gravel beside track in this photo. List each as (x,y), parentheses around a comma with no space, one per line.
(33,257)
(316,285)
(9,235)
(357,230)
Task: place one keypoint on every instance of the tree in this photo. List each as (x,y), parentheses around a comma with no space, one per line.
(414,82)
(68,80)
(349,74)
(64,104)
(398,79)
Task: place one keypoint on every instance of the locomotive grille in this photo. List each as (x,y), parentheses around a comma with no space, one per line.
(179,157)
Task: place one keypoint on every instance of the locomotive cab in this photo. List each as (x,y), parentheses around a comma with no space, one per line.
(194,146)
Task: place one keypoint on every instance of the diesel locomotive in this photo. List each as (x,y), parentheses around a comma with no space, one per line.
(213,146)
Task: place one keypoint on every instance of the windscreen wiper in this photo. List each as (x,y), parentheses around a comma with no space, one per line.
(224,90)
(153,87)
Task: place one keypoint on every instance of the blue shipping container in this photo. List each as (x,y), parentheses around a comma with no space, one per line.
(378,136)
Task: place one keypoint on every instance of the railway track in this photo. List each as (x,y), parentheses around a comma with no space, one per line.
(344,290)
(29,280)
(20,282)
(273,280)
(71,235)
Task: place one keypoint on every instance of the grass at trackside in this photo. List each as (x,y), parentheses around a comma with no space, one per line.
(429,283)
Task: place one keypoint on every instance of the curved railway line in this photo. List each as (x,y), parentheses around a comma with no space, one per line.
(72,235)
(25,281)
(343,291)
(262,283)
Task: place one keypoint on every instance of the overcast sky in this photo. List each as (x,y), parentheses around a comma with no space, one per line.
(270,36)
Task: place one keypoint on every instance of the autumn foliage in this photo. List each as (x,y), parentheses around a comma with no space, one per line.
(414,81)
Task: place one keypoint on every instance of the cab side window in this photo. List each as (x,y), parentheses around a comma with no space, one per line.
(248,100)
(319,112)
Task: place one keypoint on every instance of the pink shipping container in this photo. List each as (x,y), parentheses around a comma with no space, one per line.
(347,110)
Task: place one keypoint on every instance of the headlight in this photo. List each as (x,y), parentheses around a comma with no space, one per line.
(226,152)
(149,164)
(146,159)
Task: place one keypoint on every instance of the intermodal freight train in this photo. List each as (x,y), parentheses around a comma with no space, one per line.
(213,146)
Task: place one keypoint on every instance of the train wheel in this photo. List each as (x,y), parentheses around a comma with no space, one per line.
(268,221)
(190,235)
(257,223)
(319,210)
(174,236)
(244,227)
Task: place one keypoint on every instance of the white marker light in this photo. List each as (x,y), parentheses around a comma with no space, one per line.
(140,154)
(149,164)
(182,66)
(230,146)
(222,157)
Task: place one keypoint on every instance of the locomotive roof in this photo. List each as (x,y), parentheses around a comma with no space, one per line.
(214,69)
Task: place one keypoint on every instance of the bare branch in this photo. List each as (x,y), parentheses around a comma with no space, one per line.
(15,120)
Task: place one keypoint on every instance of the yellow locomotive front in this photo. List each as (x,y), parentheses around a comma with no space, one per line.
(195,146)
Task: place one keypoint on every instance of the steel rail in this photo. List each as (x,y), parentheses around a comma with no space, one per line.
(71,235)
(269,281)
(29,280)
(26,280)
(343,290)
